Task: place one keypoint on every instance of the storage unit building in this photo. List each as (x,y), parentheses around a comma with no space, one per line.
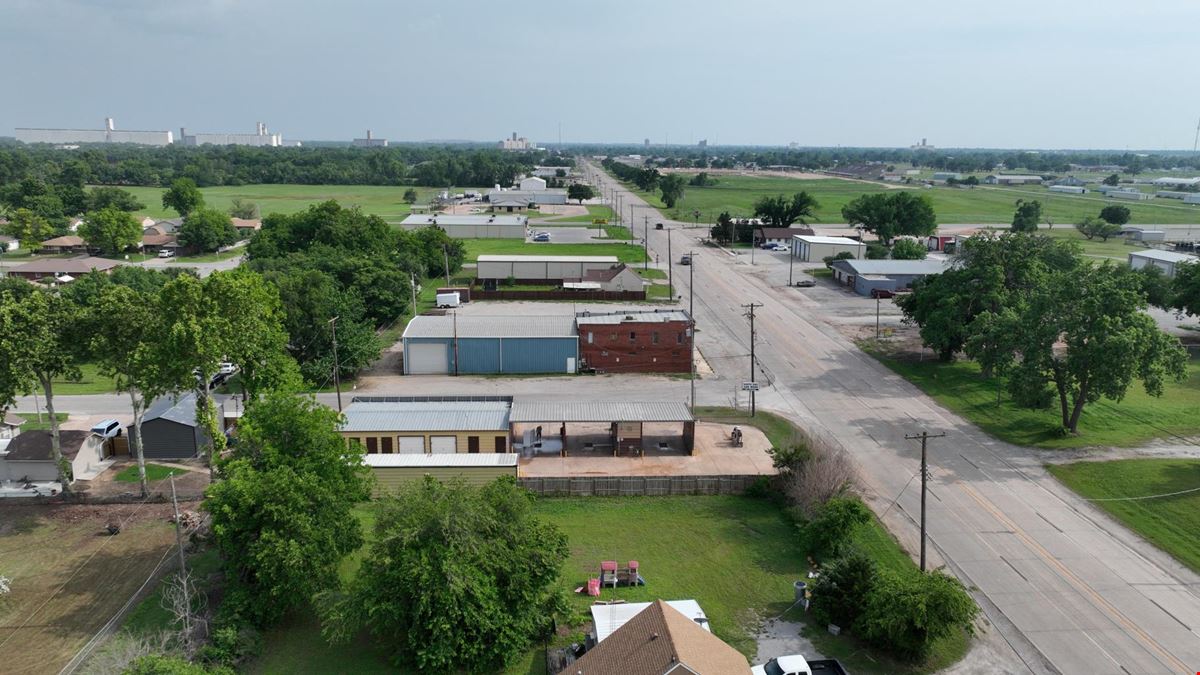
(888,275)
(658,341)
(471,226)
(1167,261)
(415,425)
(392,471)
(1132,195)
(169,429)
(1013,179)
(1067,189)
(814,248)
(486,345)
(541,268)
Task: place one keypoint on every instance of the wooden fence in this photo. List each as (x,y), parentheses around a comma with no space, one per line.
(566,295)
(648,486)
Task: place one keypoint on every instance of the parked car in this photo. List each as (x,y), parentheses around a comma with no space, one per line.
(807,282)
(166,253)
(685,260)
(226,368)
(107,429)
(542,237)
(795,664)
(780,248)
(882,293)
(658,226)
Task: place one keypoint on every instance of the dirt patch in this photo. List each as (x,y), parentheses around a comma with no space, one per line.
(190,480)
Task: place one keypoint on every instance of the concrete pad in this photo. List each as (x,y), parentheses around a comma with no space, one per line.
(1027,615)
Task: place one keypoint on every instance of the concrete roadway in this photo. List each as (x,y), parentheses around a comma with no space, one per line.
(1069,589)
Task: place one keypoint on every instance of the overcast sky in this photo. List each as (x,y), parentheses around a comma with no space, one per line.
(1012,74)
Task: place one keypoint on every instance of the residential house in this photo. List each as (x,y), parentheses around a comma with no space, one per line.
(62,270)
(246,227)
(29,456)
(10,424)
(169,428)
(69,243)
(153,243)
(781,236)
(166,226)
(661,641)
(8,243)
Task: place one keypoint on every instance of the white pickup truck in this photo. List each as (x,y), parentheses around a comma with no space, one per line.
(795,664)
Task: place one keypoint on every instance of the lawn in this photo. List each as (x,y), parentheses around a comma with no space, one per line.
(153,472)
(984,204)
(68,578)
(1171,523)
(1137,419)
(651,273)
(33,424)
(383,200)
(625,252)
(91,382)
(594,211)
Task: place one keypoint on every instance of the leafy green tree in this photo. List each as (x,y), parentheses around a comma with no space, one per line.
(839,596)
(39,343)
(780,211)
(256,340)
(410,196)
(908,614)
(1115,214)
(724,229)
(283,511)
(909,249)
(671,186)
(1027,216)
(1092,227)
(702,179)
(580,192)
(892,214)
(311,299)
(111,230)
(834,524)
(207,230)
(241,208)
(1156,286)
(28,228)
(162,664)
(183,197)
(971,181)
(1185,289)
(456,578)
(841,255)
(124,327)
(1112,180)
(99,198)
(877,252)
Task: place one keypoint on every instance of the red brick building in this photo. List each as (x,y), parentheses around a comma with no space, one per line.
(657,341)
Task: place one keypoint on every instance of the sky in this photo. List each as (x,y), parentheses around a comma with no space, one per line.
(1016,74)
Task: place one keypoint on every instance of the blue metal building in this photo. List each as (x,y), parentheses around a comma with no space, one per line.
(489,345)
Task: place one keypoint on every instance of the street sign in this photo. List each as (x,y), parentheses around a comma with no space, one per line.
(749,386)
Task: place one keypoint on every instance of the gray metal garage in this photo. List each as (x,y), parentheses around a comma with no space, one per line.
(471,226)
(541,268)
(489,345)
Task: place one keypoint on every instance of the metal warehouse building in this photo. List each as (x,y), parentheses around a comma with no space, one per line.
(1167,261)
(487,345)
(471,227)
(541,268)
(413,425)
(814,248)
(885,275)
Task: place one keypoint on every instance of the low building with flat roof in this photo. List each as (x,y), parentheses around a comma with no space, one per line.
(866,276)
(489,345)
(656,341)
(815,248)
(541,268)
(1167,261)
(470,226)
(540,196)
(418,425)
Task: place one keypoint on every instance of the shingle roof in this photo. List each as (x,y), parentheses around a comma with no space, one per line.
(65,240)
(657,641)
(599,411)
(13,419)
(490,326)
(427,416)
(80,265)
(35,445)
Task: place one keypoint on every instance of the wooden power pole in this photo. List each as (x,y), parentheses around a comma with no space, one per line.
(924,436)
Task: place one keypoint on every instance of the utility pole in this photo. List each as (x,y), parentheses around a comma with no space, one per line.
(454,316)
(412,284)
(877,318)
(750,313)
(337,381)
(692,325)
(645,239)
(446,262)
(924,436)
(183,580)
(791,264)
(670,268)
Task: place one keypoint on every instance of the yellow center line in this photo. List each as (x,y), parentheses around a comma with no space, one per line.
(1141,635)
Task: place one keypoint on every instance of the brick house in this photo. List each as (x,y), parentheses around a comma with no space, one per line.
(657,341)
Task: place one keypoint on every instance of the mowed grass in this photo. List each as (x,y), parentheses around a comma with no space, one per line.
(90,382)
(983,204)
(153,472)
(68,577)
(32,423)
(382,200)
(624,252)
(1170,523)
(1135,420)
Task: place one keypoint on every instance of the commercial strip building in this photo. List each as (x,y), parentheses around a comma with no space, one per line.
(415,425)
(815,248)
(1167,261)
(541,269)
(866,276)
(486,345)
(658,341)
(1013,179)
(471,226)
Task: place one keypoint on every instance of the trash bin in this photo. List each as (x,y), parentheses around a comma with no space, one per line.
(801,587)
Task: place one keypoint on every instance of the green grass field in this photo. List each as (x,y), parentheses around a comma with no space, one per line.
(594,211)
(625,252)
(1137,419)
(383,200)
(92,382)
(1171,523)
(983,205)
(33,424)
(153,472)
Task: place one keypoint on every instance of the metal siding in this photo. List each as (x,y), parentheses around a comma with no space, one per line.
(164,439)
(539,355)
(527,270)
(493,270)
(478,356)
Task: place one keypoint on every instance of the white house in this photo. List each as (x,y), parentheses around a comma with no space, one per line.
(28,455)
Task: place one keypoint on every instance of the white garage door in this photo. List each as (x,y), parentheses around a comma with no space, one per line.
(412,445)
(426,359)
(443,444)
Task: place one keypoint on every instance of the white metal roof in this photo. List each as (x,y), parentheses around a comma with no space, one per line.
(1164,256)
(452,219)
(819,239)
(475,326)
(427,416)
(608,618)
(611,259)
(447,459)
(599,411)
(582,285)
(639,317)
(888,267)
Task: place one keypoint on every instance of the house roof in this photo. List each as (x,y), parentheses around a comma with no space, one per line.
(427,415)
(890,267)
(76,266)
(1164,256)
(5,239)
(609,617)
(458,459)
(819,239)
(181,410)
(421,219)
(65,240)
(784,232)
(602,275)
(660,640)
(35,445)
(507,326)
(247,223)
(159,239)
(12,419)
(610,259)
(510,202)
(599,411)
(612,318)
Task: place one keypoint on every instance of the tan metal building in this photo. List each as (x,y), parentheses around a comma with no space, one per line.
(392,471)
(815,248)
(409,425)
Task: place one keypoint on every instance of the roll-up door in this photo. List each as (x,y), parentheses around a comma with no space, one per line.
(443,444)
(412,445)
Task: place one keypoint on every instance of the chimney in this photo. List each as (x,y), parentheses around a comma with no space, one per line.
(108,124)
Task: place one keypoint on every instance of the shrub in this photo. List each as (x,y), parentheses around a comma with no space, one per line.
(233,641)
(908,614)
(830,259)
(834,523)
(876,252)
(760,488)
(908,249)
(840,594)
(158,664)
(815,477)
